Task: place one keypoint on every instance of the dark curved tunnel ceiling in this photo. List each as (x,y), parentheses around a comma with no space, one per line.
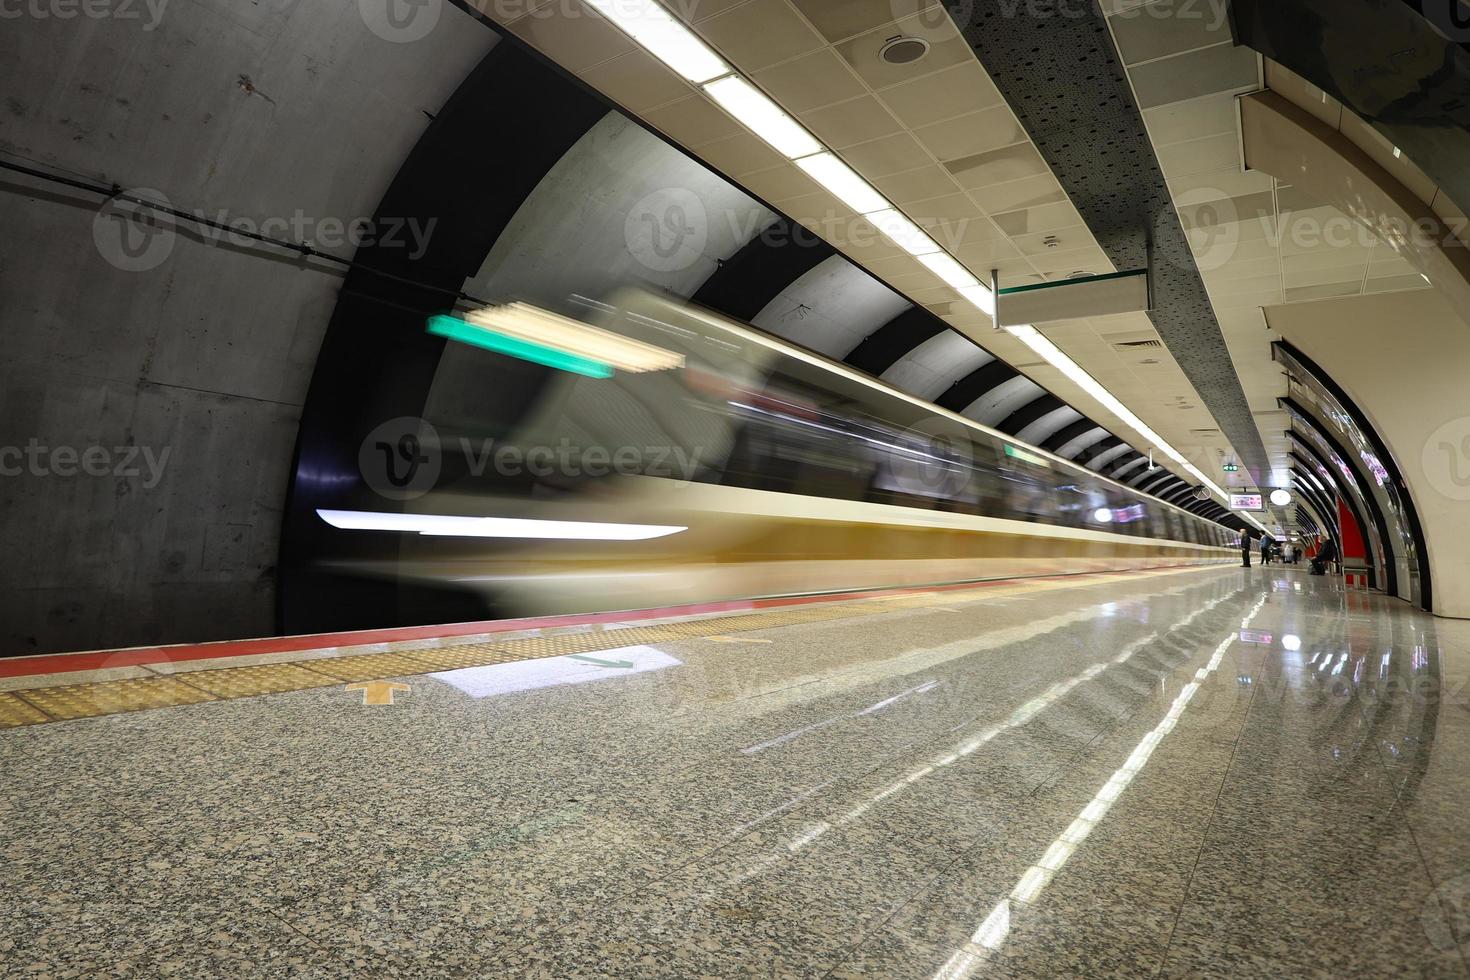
(1062,77)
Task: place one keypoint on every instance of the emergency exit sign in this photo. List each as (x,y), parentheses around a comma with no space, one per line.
(1231,468)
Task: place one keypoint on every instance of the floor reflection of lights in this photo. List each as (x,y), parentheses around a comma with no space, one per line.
(1018,718)
(992,933)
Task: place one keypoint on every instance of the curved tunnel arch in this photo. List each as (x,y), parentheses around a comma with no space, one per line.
(777,276)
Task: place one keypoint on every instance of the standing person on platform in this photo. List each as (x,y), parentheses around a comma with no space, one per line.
(1245,549)
(1265,549)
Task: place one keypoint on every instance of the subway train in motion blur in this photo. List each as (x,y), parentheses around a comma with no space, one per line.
(646,452)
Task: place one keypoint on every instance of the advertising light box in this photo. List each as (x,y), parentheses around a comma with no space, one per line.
(1247,501)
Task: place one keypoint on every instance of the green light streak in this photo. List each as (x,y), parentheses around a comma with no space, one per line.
(452,328)
(1024,456)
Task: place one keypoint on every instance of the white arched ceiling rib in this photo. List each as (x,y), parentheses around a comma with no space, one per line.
(831,308)
(1071,449)
(995,405)
(1106,459)
(1049,425)
(545,257)
(1130,468)
(930,369)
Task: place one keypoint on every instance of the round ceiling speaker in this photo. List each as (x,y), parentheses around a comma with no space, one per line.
(903,50)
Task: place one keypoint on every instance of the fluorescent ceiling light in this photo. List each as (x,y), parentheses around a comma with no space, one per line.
(842,181)
(440,525)
(981,297)
(665,38)
(948,268)
(903,232)
(762,116)
(531,324)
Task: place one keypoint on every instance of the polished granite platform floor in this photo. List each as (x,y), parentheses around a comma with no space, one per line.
(1216,773)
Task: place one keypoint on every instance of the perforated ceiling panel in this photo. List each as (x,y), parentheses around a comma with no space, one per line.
(1057,67)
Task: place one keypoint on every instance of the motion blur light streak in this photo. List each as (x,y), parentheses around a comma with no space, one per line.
(436,525)
(543,328)
(458,330)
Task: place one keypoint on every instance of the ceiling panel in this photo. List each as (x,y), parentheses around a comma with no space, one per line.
(947,48)
(972,133)
(854,121)
(760,33)
(840,19)
(1218,69)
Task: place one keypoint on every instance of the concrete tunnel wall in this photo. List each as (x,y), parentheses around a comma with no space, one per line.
(265,110)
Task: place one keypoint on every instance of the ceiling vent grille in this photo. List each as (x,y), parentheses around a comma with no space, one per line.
(1139,345)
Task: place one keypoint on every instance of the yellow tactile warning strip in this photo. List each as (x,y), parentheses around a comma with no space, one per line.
(39,705)
(14,712)
(247,682)
(371,667)
(112,697)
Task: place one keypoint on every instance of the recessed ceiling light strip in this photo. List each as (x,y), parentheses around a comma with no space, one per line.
(664,37)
